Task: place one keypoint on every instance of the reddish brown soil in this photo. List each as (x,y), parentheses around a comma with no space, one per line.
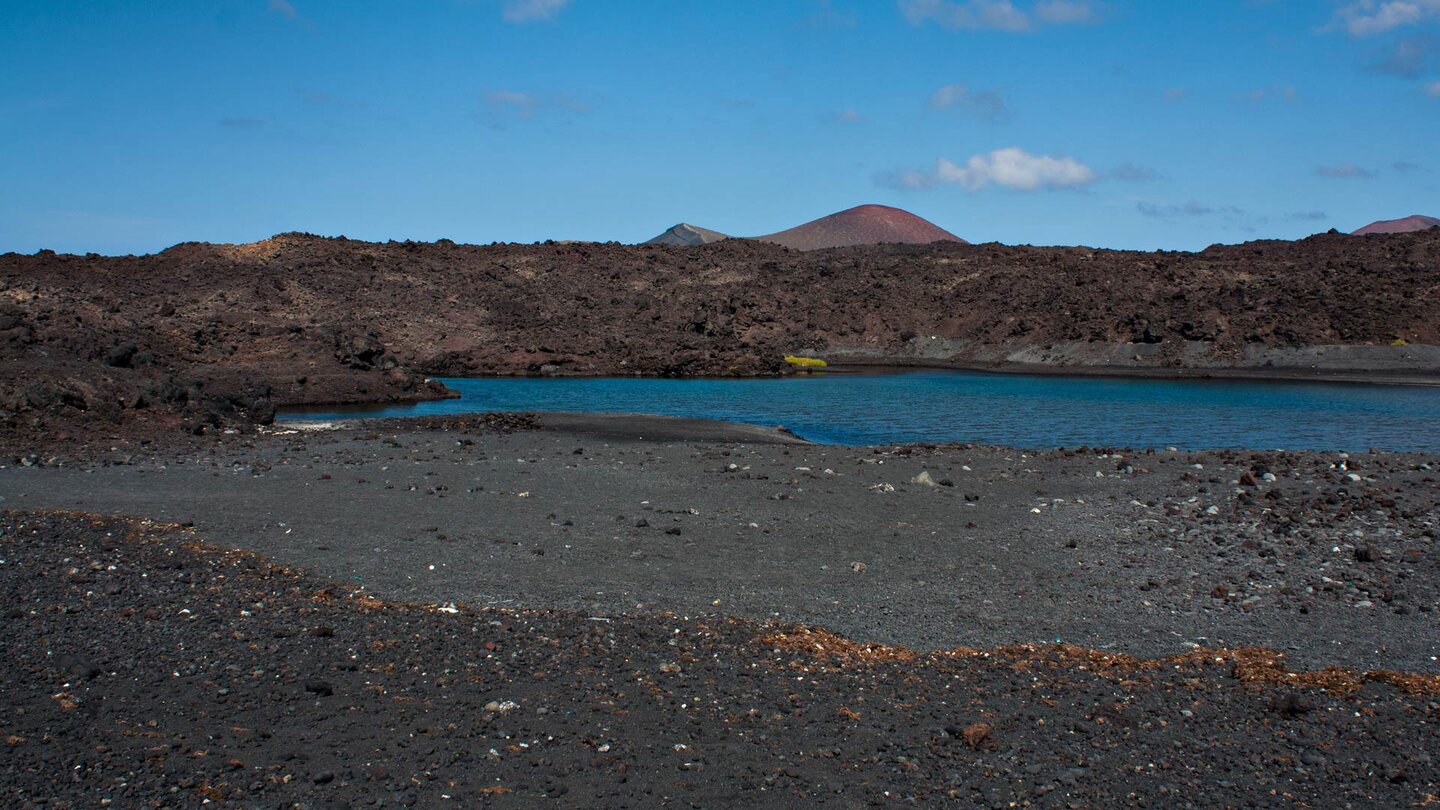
(862,225)
(1403,225)
(203,336)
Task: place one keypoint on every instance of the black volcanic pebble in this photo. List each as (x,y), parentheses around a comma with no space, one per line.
(321,688)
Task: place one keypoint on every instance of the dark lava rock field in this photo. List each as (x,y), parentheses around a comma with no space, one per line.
(203,336)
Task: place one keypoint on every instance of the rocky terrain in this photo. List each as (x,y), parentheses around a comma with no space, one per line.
(600,621)
(203,337)
(1332,559)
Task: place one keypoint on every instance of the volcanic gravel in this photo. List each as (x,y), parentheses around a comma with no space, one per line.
(143,668)
(1331,558)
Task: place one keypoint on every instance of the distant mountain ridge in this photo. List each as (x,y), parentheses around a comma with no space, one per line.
(861,225)
(686,234)
(1409,224)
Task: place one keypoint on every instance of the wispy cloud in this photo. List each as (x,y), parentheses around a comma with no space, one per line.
(1308,216)
(283,8)
(1231,215)
(1364,18)
(825,15)
(1134,173)
(1067,12)
(1408,57)
(522,104)
(1174,94)
(321,99)
(526,105)
(849,115)
(569,103)
(1283,93)
(1343,171)
(1189,209)
(527,11)
(242,122)
(999,15)
(1012,168)
(984,104)
(1433,89)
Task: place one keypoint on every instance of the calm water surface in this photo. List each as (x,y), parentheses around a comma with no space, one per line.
(1014,410)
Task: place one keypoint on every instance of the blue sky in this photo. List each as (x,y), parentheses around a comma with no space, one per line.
(130,126)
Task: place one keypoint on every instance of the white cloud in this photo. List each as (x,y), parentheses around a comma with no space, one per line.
(283,7)
(1000,15)
(1368,17)
(983,103)
(1433,89)
(523,11)
(849,115)
(1011,168)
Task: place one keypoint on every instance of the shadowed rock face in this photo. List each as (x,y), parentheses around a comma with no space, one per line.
(862,225)
(686,234)
(1404,225)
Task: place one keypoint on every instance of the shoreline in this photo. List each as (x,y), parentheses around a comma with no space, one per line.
(1219,373)
(598,425)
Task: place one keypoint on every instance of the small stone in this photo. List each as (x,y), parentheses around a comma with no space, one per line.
(978,736)
(1290,705)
